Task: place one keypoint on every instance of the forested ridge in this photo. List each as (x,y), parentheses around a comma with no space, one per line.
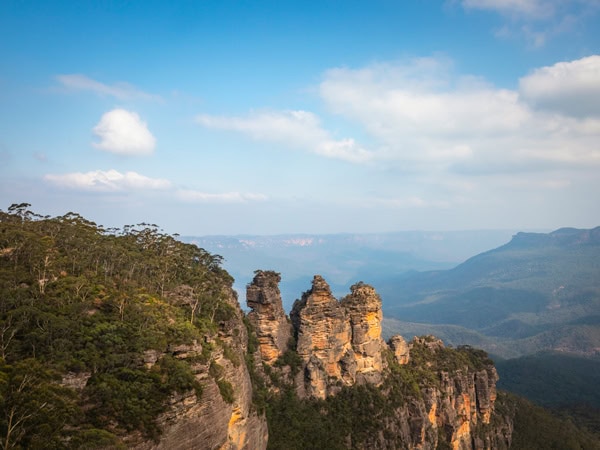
(89,320)
(79,300)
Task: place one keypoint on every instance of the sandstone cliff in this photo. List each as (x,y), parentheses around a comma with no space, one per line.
(267,316)
(434,396)
(223,417)
(454,405)
(324,341)
(339,342)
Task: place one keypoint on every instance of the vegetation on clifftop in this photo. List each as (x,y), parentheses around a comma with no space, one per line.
(90,302)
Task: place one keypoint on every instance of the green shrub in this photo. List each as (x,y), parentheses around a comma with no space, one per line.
(226,390)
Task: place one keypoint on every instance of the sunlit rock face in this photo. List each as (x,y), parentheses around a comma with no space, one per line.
(400,348)
(267,316)
(339,341)
(339,344)
(363,308)
(323,335)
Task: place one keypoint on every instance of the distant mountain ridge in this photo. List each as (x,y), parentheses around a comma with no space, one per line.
(562,236)
(346,257)
(540,291)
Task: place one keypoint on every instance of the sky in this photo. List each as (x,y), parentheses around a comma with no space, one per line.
(271,117)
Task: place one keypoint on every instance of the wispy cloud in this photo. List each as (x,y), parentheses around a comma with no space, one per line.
(120,90)
(299,129)
(425,121)
(106,181)
(40,156)
(112,181)
(537,21)
(125,133)
(193,196)
(462,123)
(527,8)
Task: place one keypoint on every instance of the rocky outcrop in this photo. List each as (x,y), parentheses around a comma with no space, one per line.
(213,421)
(267,316)
(452,408)
(323,336)
(442,397)
(363,308)
(460,400)
(400,348)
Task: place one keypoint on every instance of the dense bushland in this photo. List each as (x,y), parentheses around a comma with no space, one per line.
(90,302)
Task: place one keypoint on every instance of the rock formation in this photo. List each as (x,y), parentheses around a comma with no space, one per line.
(459,404)
(339,344)
(324,340)
(400,348)
(363,307)
(267,316)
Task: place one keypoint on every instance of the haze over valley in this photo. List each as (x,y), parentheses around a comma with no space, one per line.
(345,258)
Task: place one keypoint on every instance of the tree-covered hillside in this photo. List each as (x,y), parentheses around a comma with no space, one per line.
(81,310)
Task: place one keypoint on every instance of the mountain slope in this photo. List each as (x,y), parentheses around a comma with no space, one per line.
(539,291)
(552,379)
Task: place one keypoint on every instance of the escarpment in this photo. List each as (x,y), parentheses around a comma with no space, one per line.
(431,396)
(222,416)
(128,338)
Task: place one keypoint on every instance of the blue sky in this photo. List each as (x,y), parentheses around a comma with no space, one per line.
(267,117)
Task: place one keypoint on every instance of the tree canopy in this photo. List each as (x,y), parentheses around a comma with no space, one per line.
(83,300)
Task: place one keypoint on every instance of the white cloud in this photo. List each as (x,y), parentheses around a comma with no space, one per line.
(402,106)
(193,196)
(422,118)
(120,90)
(124,133)
(530,8)
(453,123)
(571,88)
(538,21)
(298,129)
(107,181)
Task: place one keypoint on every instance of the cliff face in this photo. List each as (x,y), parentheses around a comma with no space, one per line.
(456,407)
(434,396)
(214,421)
(454,414)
